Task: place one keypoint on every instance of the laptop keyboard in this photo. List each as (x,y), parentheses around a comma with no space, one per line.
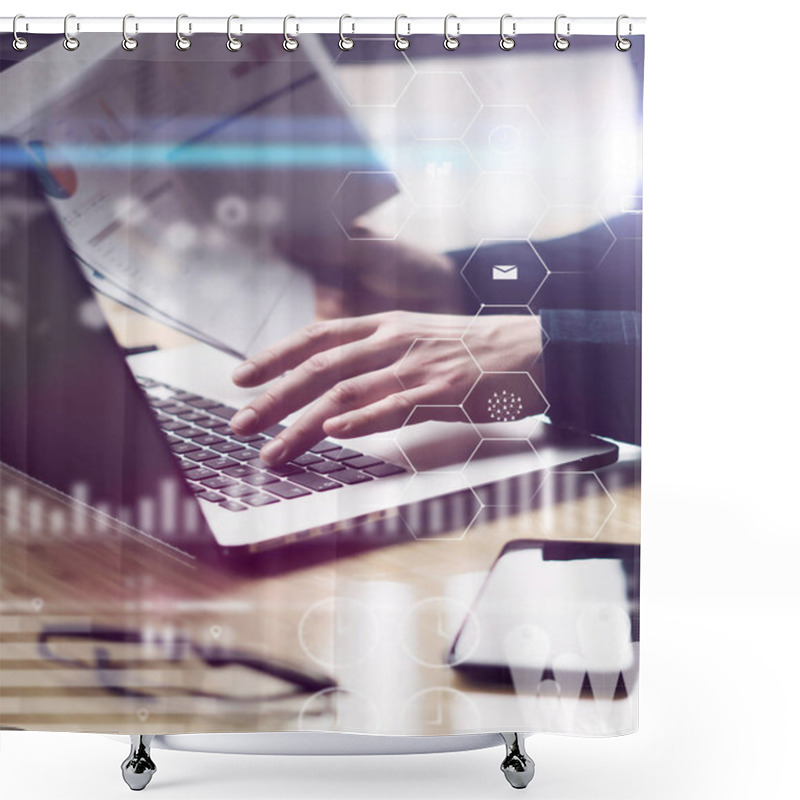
(224,468)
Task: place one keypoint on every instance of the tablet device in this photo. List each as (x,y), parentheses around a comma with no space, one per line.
(555,616)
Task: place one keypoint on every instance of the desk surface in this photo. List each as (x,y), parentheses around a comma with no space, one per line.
(379,622)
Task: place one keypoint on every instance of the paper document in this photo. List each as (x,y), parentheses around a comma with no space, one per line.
(173,175)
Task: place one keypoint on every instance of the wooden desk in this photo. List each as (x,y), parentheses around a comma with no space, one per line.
(379,622)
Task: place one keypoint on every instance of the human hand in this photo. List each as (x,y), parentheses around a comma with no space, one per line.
(367,374)
(359,273)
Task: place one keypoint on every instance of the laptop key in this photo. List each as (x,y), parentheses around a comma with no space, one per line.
(238,490)
(239,471)
(201,455)
(287,490)
(247,439)
(220,482)
(220,462)
(243,453)
(183,447)
(350,476)
(260,500)
(225,412)
(196,488)
(359,462)
(286,470)
(199,473)
(212,423)
(226,446)
(324,467)
(342,454)
(232,505)
(200,402)
(190,416)
(260,479)
(206,439)
(324,446)
(212,497)
(172,425)
(317,483)
(383,470)
(187,430)
(304,459)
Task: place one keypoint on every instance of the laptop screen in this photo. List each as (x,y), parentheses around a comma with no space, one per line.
(71,413)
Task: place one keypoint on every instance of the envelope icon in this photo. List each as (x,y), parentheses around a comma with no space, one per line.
(502,272)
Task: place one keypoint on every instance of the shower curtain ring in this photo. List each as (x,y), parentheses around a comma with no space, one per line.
(506,41)
(345,43)
(70,42)
(401,42)
(233,44)
(560,42)
(19,43)
(128,42)
(181,42)
(623,44)
(451,42)
(289,44)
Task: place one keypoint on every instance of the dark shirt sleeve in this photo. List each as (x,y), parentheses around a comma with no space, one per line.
(589,304)
(592,369)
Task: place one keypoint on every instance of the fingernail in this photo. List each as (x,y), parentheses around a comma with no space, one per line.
(273,452)
(337,424)
(244,372)
(244,419)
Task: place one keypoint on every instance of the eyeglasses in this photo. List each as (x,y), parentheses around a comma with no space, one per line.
(129,663)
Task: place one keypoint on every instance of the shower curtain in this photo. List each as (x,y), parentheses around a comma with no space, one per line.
(372,462)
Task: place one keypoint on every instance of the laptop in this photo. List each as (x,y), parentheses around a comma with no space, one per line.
(146,439)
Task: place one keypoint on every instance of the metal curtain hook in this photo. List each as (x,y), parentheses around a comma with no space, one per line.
(70,42)
(19,43)
(344,42)
(181,42)
(128,42)
(451,42)
(400,42)
(623,44)
(233,44)
(506,42)
(560,42)
(289,43)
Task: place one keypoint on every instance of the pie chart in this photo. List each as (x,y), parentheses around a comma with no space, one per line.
(57,176)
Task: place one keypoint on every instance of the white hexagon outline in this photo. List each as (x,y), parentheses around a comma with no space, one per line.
(488,107)
(340,89)
(481,243)
(404,189)
(448,537)
(443,470)
(484,373)
(593,473)
(413,344)
(468,124)
(478,172)
(527,175)
(572,271)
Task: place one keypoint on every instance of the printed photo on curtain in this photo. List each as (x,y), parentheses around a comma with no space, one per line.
(320,383)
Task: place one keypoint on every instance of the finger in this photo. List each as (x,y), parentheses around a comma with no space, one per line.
(383,415)
(311,380)
(295,349)
(345,396)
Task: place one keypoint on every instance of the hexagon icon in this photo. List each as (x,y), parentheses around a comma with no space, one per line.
(485,340)
(505,273)
(506,139)
(437,173)
(439,105)
(386,219)
(503,398)
(448,513)
(504,472)
(438,439)
(365,78)
(504,205)
(414,368)
(573,505)
(559,221)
